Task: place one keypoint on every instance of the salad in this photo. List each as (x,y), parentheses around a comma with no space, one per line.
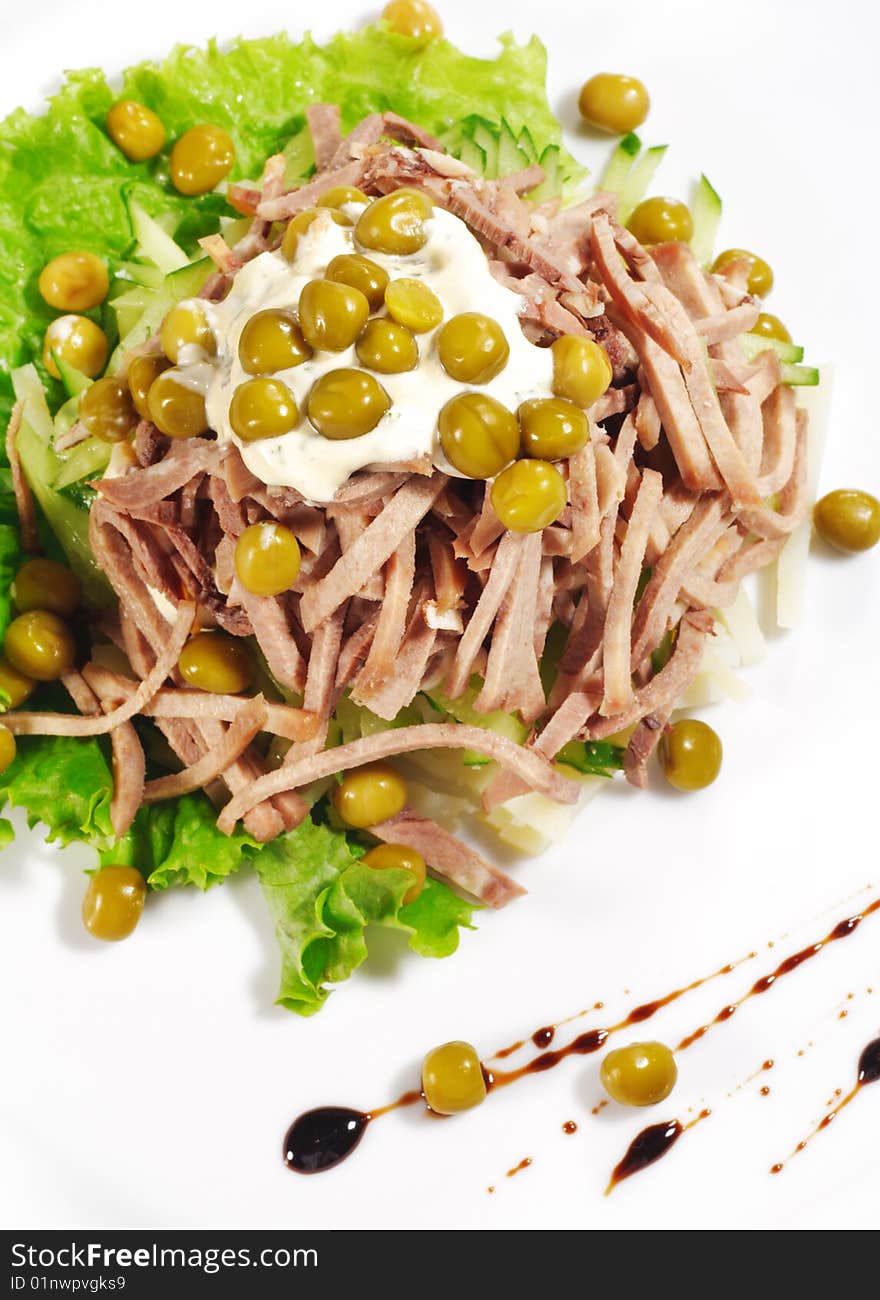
(368,472)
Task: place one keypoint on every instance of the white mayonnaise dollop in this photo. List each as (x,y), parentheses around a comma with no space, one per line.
(455,267)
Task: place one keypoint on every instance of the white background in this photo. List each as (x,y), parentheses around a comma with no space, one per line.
(149,1084)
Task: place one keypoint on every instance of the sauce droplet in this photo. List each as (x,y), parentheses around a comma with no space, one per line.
(651,1145)
(569,1127)
(517,1169)
(646,1147)
(544,1037)
(322,1138)
(869,1063)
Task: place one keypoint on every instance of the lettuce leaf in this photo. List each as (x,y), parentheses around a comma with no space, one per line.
(64,184)
(178,843)
(65,783)
(319,895)
(322,899)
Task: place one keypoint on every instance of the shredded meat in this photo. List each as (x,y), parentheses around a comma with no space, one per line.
(323,120)
(694,475)
(61,724)
(404,740)
(372,548)
(234,740)
(449,857)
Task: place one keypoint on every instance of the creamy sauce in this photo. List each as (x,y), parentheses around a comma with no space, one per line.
(454,266)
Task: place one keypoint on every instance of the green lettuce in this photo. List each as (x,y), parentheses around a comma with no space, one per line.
(64,184)
(322,898)
(65,783)
(178,843)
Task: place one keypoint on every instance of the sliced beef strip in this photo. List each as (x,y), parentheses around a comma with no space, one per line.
(449,857)
(323,121)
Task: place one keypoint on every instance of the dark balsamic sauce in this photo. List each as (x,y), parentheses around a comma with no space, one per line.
(649,1146)
(645,1149)
(320,1139)
(868,1071)
(869,1064)
(843,930)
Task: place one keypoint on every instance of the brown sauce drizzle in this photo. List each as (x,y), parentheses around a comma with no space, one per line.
(321,1138)
(868,1071)
(544,1037)
(594,1039)
(843,930)
(517,1169)
(649,1146)
(569,1127)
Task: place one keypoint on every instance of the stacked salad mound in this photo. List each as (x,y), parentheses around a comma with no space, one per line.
(297,562)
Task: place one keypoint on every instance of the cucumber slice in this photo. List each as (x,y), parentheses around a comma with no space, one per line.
(139,273)
(800,376)
(348,716)
(140,325)
(87,459)
(299,156)
(552,183)
(526,144)
(188,280)
(68,521)
(234,228)
(470,152)
(635,187)
(510,157)
(706,213)
(462,710)
(129,307)
(141,310)
(484,136)
(74,381)
(28,389)
(154,243)
(620,163)
(753,344)
(65,417)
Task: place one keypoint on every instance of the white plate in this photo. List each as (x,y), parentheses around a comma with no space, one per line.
(149,1084)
